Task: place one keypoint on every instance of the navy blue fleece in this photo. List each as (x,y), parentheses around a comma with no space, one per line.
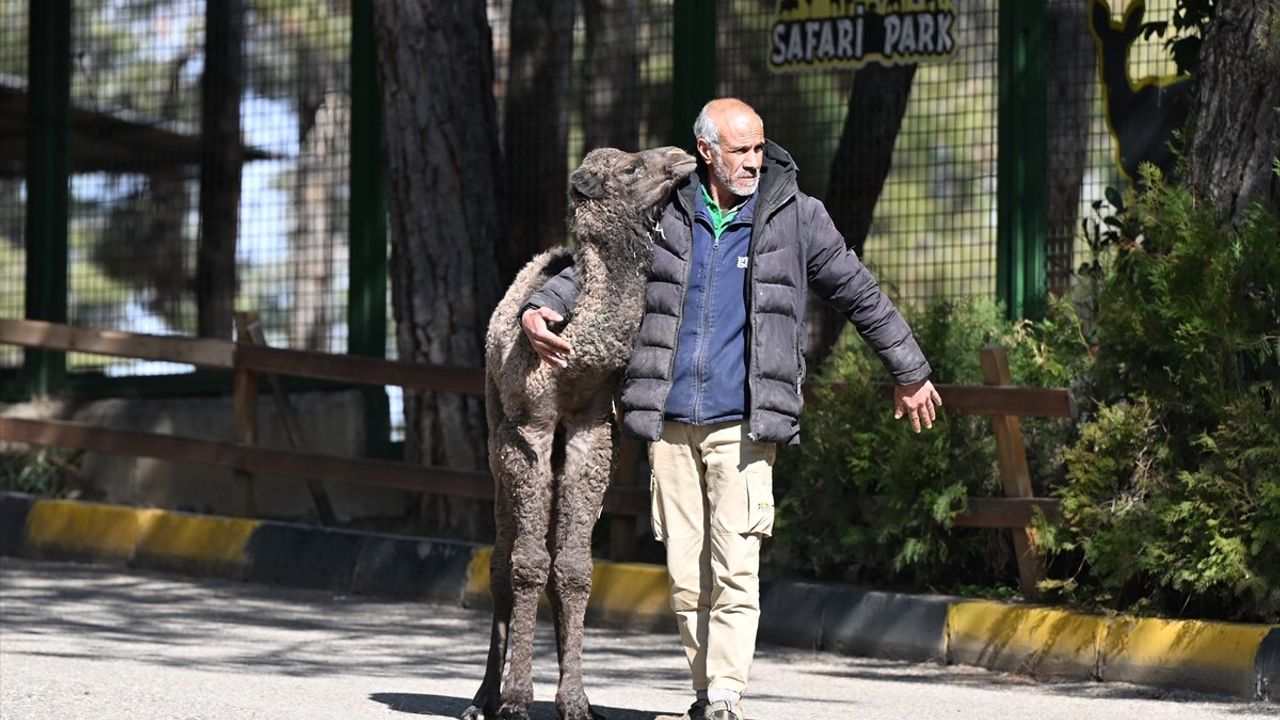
(710,373)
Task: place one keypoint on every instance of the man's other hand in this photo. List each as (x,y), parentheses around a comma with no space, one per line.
(918,401)
(550,347)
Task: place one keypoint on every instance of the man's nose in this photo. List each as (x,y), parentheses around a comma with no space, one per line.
(753,160)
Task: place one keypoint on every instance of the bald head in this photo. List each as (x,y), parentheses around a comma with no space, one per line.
(721,114)
(731,142)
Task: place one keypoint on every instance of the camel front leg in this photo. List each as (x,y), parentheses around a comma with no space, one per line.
(589,457)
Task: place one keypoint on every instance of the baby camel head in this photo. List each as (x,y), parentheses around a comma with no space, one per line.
(613,186)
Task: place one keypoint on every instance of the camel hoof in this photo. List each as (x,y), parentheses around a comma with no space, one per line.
(585,713)
(513,712)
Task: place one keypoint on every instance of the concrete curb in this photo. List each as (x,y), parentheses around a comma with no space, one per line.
(853,621)
(1230,658)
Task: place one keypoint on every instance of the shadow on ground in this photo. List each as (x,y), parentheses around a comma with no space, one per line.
(439,705)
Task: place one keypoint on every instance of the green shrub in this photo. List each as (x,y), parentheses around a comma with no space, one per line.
(1171,501)
(47,472)
(864,498)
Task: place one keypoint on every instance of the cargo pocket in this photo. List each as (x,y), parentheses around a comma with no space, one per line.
(759,477)
(656,520)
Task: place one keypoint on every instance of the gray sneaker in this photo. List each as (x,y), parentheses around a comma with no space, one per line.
(723,710)
(696,711)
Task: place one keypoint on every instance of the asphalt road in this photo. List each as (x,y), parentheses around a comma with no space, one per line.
(83,642)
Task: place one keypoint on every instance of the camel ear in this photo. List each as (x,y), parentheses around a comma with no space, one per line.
(587,183)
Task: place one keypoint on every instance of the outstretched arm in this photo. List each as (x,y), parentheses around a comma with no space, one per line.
(840,278)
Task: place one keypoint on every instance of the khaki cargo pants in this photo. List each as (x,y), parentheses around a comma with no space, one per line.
(712,491)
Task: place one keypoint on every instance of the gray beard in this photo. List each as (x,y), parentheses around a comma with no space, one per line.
(736,187)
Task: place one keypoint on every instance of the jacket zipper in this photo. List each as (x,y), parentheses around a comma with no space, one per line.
(684,289)
(704,322)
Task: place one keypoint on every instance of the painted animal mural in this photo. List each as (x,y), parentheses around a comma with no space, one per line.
(1142,115)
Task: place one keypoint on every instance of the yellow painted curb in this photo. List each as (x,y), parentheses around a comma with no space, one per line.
(1193,654)
(624,590)
(619,591)
(86,530)
(478,576)
(1038,641)
(180,540)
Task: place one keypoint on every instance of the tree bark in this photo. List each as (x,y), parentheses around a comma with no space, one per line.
(858,171)
(221,157)
(1234,124)
(435,62)
(1071,92)
(610,75)
(537,128)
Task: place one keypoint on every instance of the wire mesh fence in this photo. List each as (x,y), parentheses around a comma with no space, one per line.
(13,254)
(933,232)
(135,225)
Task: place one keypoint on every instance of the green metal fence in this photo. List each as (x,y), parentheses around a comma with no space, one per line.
(311,243)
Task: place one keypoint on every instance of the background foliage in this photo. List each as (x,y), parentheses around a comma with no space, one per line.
(866,499)
(1172,497)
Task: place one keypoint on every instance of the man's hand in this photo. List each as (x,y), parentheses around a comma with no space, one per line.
(550,347)
(918,401)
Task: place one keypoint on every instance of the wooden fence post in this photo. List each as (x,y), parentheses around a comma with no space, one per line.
(244,421)
(1015,476)
(250,333)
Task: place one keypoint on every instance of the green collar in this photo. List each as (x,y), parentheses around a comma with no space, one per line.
(720,219)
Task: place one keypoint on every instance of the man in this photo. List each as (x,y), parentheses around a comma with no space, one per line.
(714,380)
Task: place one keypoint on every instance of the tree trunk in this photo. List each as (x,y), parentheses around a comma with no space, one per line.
(324,125)
(610,75)
(1234,124)
(443,165)
(1071,92)
(537,128)
(858,171)
(221,157)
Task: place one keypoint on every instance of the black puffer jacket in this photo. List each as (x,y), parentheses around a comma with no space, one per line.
(794,247)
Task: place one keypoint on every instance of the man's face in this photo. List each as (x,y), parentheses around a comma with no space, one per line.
(736,160)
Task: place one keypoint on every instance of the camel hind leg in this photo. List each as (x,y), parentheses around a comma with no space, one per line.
(523,464)
(589,459)
(484,706)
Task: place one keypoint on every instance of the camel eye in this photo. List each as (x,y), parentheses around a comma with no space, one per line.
(632,169)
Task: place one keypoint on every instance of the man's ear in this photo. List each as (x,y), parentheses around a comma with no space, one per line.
(586,183)
(704,151)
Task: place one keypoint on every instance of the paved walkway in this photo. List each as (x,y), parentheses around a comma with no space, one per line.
(83,642)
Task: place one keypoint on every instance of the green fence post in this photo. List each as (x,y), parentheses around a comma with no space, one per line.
(367,288)
(693,75)
(48,169)
(1022,138)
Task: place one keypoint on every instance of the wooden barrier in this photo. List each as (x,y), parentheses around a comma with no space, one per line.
(329,468)
(226,355)
(1003,403)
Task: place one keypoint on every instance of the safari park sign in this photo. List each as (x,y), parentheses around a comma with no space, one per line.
(822,34)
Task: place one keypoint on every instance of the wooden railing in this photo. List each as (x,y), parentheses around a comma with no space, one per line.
(249,359)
